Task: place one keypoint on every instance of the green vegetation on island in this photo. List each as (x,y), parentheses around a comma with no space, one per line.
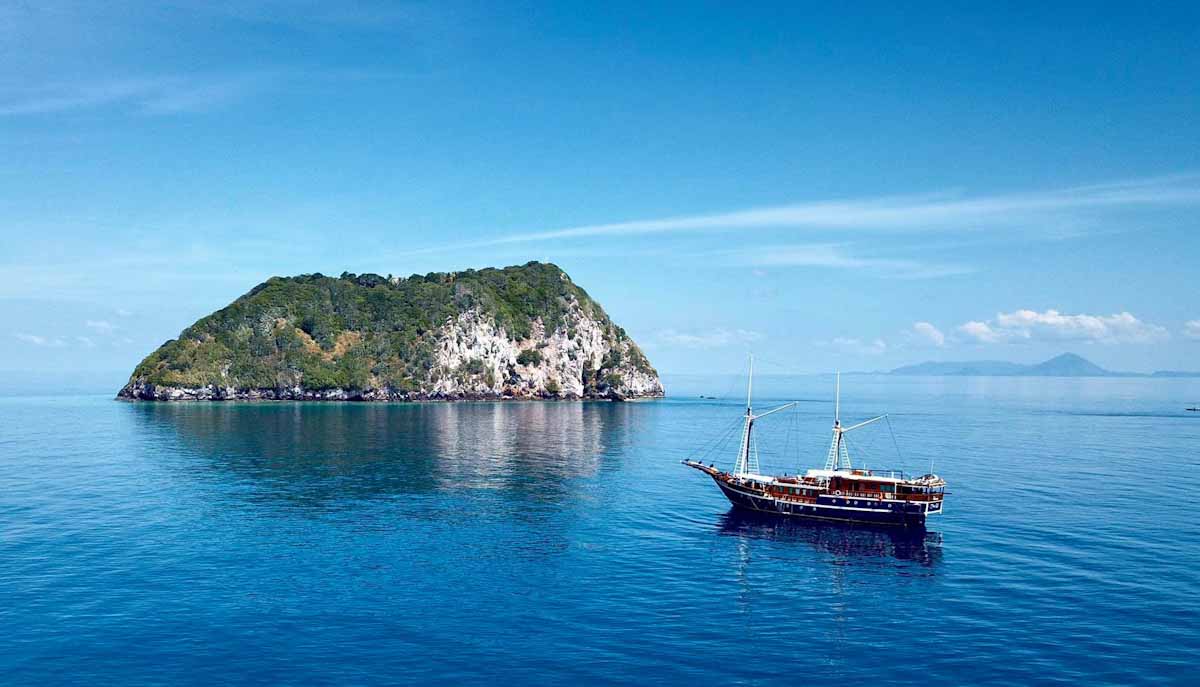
(366,331)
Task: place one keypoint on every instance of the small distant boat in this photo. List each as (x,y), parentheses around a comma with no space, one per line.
(837,492)
(1194,409)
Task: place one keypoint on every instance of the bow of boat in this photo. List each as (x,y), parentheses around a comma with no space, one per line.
(706,469)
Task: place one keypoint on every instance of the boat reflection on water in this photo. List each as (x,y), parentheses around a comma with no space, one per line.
(916,545)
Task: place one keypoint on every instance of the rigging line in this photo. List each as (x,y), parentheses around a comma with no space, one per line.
(895,443)
(799,441)
(784,366)
(718,440)
(736,381)
(794,429)
(787,435)
(868,445)
(721,440)
(707,446)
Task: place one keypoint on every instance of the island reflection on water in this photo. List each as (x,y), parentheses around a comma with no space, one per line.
(344,451)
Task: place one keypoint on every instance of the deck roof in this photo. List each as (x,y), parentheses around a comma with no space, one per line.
(923,481)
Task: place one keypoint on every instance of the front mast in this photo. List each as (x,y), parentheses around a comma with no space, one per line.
(743,460)
(743,465)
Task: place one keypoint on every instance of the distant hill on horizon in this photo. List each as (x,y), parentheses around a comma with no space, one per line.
(1065,365)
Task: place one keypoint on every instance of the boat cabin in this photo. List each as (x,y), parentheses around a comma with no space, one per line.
(889,485)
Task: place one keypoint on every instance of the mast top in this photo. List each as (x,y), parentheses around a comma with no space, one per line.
(750,384)
(837,400)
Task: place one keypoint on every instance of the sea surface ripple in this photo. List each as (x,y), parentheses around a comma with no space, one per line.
(550,543)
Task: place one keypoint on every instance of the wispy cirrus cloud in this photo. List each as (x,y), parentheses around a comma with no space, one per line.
(37,340)
(717,338)
(149,95)
(839,256)
(855,345)
(100,326)
(1052,325)
(314,14)
(162,94)
(1056,213)
(896,214)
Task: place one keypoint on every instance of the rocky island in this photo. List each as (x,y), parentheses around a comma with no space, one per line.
(520,332)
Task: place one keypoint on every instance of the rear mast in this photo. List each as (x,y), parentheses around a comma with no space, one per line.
(838,456)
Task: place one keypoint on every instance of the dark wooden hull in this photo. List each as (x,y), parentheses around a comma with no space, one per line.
(831,507)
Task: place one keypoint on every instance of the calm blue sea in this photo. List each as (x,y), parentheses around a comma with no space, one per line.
(538,543)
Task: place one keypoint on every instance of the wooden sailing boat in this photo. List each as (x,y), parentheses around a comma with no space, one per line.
(836,492)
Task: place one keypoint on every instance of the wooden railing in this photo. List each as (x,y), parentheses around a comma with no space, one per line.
(885,496)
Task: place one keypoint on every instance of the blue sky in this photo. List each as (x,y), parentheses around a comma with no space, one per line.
(826,185)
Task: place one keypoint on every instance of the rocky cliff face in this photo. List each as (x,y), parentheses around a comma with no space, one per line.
(522,332)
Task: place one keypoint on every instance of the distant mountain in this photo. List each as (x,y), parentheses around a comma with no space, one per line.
(1069,365)
(1065,365)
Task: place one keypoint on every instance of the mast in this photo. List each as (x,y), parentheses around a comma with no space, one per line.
(749,384)
(837,449)
(742,466)
(838,455)
(747,459)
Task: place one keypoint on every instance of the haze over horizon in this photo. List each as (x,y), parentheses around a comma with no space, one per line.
(1001,185)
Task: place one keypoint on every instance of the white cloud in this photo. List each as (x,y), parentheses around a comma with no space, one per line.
(86,341)
(716,338)
(980,331)
(36,340)
(930,333)
(1051,325)
(122,312)
(856,346)
(101,326)
(1191,329)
